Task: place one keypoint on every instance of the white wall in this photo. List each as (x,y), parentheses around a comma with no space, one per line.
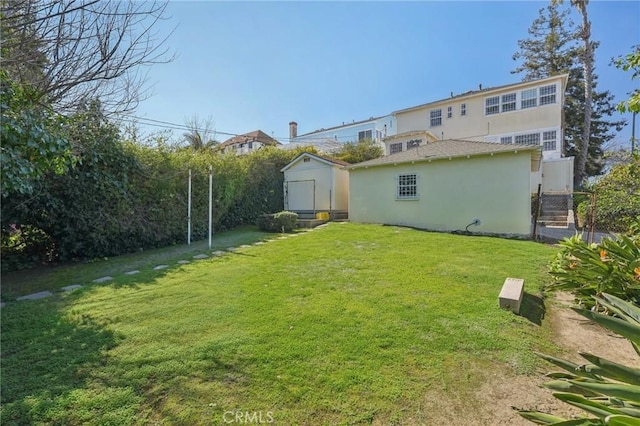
(330,184)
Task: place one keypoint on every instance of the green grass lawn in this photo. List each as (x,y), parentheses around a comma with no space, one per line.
(348,324)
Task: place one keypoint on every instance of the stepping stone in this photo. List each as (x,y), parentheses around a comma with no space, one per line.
(132,272)
(258,243)
(282,238)
(218,253)
(157,268)
(245,246)
(294,235)
(71,287)
(102,279)
(183,262)
(200,256)
(36,296)
(231,249)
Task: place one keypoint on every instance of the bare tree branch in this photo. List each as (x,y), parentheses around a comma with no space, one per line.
(77,50)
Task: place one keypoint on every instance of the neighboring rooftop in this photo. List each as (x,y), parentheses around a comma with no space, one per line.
(255,136)
(327,145)
(447,149)
(344,124)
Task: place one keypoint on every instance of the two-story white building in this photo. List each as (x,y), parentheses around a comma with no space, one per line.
(374,128)
(526,113)
(248,142)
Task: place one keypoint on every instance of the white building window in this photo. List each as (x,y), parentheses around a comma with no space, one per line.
(413,143)
(548,94)
(508,102)
(492,105)
(527,139)
(436,117)
(365,134)
(508,140)
(549,140)
(395,147)
(528,98)
(463,109)
(407,186)
(449,112)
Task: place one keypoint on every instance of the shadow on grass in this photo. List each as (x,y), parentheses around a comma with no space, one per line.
(46,355)
(532,308)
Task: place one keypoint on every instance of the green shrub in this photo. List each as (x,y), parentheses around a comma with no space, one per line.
(278,222)
(609,392)
(588,270)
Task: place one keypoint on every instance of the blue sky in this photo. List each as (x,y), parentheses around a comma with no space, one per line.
(259,65)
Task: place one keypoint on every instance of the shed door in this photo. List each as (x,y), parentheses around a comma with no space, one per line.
(301,195)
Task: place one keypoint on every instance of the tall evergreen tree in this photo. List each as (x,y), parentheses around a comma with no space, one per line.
(551,49)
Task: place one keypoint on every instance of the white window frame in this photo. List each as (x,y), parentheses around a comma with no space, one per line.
(529,98)
(395,148)
(508,102)
(492,105)
(527,139)
(449,112)
(463,110)
(547,94)
(550,140)
(407,186)
(362,135)
(435,117)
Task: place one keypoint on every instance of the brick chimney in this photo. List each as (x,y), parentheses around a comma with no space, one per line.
(293,129)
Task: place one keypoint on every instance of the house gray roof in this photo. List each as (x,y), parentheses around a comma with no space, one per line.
(327,145)
(447,149)
(255,136)
(339,126)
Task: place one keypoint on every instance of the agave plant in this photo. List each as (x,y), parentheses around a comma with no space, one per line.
(607,391)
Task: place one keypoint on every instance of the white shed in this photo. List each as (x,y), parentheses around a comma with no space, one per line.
(314,183)
(447,186)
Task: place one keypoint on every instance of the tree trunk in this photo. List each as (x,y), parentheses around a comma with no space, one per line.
(581,169)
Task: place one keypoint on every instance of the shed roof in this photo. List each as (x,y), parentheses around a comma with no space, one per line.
(323,159)
(449,149)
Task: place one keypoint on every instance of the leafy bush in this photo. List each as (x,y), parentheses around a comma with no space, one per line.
(618,197)
(609,392)
(278,222)
(588,270)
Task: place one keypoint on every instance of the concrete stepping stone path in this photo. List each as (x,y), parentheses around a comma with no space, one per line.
(71,287)
(200,256)
(218,253)
(157,268)
(132,272)
(183,262)
(36,296)
(102,279)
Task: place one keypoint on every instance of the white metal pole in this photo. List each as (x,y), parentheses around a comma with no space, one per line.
(189,211)
(210,202)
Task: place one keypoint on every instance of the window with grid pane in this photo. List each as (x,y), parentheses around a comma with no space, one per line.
(463,109)
(507,140)
(365,134)
(529,98)
(509,102)
(449,112)
(527,139)
(548,94)
(395,147)
(549,140)
(407,186)
(492,105)
(436,117)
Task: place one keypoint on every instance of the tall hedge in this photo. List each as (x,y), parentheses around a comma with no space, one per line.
(121,197)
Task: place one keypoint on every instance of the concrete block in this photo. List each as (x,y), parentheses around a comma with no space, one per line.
(71,287)
(200,256)
(511,294)
(157,268)
(36,296)
(102,280)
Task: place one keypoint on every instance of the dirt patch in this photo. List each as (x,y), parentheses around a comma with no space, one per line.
(492,403)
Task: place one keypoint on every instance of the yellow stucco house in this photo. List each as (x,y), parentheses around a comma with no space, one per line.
(448,186)
(525,113)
